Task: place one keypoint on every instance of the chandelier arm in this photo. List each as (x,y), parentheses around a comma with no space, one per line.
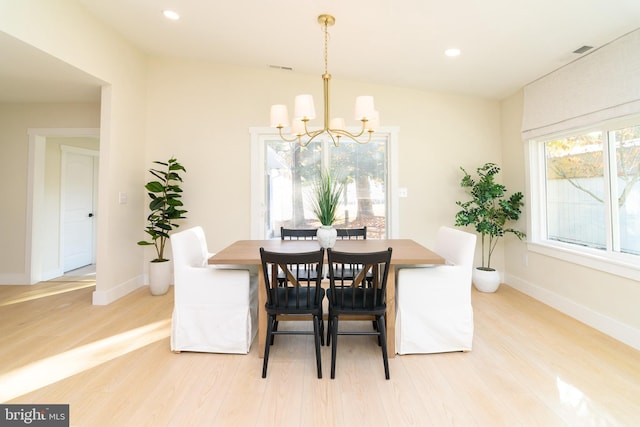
(353,137)
(312,136)
(284,138)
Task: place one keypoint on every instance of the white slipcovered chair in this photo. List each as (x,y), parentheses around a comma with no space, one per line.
(433,303)
(215,308)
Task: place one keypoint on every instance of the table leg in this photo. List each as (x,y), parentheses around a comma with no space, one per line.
(391,312)
(262,315)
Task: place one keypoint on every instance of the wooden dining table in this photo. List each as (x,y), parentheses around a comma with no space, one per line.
(404,252)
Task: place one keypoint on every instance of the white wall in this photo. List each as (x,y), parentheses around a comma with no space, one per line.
(605,301)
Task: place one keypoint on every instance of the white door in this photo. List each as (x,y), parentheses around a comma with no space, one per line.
(78,207)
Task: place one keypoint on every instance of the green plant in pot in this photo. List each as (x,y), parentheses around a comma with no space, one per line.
(166,208)
(489,211)
(326,193)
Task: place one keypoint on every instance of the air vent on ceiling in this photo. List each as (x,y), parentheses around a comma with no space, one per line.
(281,67)
(583,49)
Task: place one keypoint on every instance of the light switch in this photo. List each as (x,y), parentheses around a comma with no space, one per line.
(122,198)
(403,192)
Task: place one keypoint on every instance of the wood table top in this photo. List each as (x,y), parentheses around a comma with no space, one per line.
(405,251)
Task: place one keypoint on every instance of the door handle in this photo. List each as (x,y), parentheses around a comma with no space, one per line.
(90,215)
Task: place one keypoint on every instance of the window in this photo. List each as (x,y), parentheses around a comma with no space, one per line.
(283,173)
(585,193)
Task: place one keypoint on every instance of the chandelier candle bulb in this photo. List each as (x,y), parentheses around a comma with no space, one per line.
(304,107)
(279,115)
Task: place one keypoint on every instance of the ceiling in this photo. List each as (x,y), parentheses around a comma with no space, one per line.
(505,44)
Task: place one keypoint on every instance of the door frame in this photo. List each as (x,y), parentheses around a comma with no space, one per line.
(35,193)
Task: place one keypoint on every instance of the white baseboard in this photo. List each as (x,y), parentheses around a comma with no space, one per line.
(111,295)
(612,327)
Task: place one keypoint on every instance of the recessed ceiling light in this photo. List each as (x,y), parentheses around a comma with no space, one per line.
(170,14)
(452,52)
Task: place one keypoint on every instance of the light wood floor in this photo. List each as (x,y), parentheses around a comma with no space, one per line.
(530,366)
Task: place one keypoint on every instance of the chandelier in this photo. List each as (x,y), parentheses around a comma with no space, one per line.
(334,127)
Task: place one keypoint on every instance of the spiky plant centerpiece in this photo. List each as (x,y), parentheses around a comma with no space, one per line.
(327,192)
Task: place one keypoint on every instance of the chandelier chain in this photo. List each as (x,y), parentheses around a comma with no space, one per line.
(326,49)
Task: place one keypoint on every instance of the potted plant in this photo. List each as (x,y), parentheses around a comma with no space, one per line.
(165,207)
(326,197)
(489,212)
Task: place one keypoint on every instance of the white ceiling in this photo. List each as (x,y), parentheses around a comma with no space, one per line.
(505,43)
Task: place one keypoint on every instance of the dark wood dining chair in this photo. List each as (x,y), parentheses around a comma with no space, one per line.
(352,233)
(298,233)
(348,297)
(299,296)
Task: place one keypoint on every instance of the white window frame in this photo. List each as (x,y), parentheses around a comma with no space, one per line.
(620,264)
(259,136)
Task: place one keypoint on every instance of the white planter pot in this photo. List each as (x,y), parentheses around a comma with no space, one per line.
(327,235)
(159,277)
(486,280)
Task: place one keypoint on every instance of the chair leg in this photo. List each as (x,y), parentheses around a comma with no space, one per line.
(321,320)
(275,328)
(329,323)
(383,340)
(334,333)
(268,342)
(316,335)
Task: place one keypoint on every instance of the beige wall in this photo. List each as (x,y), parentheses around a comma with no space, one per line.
(15,119)
(605,301)
(201,113)
(99,51)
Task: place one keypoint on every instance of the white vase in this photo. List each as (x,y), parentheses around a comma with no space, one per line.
(486,280)
(327,235)
(159,277)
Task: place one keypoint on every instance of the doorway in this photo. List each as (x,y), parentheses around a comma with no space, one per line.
(46,203)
